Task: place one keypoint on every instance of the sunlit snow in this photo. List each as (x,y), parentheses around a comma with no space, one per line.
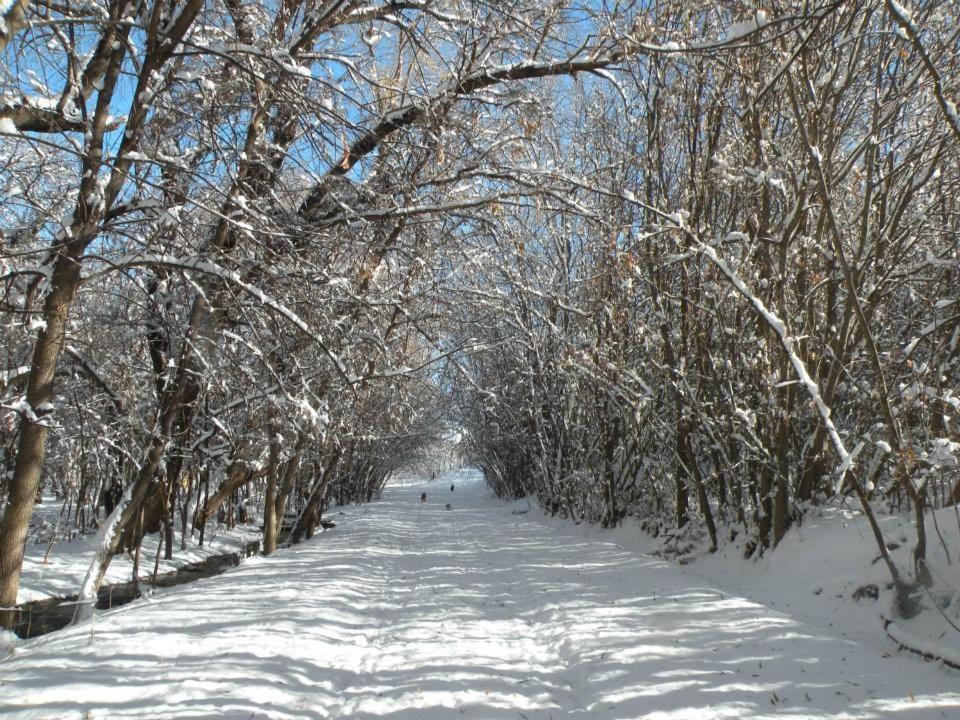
(411,610)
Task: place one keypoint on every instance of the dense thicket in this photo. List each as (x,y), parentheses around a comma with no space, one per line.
(694,264)
(765,245)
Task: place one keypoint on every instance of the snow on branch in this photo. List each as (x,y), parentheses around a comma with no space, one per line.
(468,84)
(196,264)
(8,376)
(909,30)
(927,649)
(95,376)
(38,415)
(787,342)
(27,117)
(780,328)
(87,597)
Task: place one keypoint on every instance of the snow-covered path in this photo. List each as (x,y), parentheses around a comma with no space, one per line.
(408,610)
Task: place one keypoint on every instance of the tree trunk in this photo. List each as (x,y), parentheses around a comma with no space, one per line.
(308,518)
(33,432)
(170,499)
(238,473)
(765,505)
(270,524)
(111,534)
(289,476)
(206,496)
(681,493)
(65,277)
(186,497)
(702,498)
(138,534)
(781,504)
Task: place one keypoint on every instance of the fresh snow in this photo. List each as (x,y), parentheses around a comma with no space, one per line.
(486,610)
(739,30)
(58,571)
(821,569)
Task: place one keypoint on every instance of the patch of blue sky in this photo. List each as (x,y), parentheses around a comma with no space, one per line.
(375,68)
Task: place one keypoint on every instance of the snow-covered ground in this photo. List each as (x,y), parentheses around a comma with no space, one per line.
(58,570)
(828,572)
(410,610)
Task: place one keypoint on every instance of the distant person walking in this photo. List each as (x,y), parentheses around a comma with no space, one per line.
(451,487)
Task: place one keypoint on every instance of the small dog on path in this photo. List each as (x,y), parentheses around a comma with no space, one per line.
(423,497)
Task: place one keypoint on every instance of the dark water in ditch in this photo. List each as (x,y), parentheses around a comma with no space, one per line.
(43,616)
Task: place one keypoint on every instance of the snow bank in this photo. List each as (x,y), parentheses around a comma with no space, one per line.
(58,570)
(827,572)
